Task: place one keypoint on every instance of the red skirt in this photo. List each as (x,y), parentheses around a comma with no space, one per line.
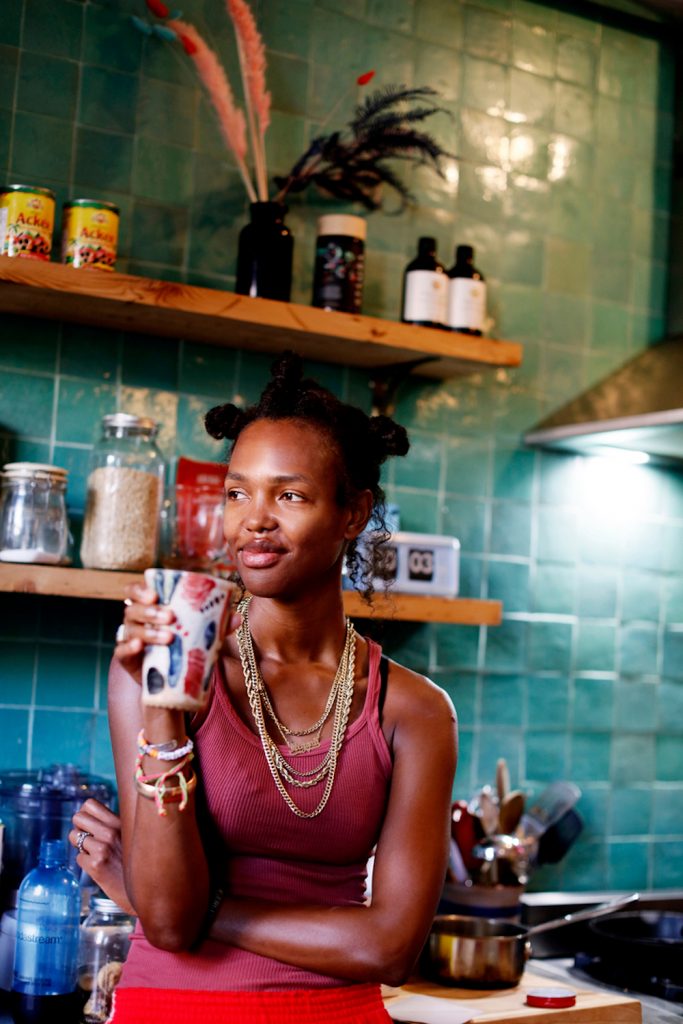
(354,1004)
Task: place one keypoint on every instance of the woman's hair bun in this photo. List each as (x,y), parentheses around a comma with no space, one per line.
(287,370)
(390,437)
(225,421)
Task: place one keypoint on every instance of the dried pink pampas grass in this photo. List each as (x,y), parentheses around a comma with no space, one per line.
(252,58)
(213,77)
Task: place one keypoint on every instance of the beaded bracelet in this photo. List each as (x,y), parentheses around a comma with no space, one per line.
(159,791)
(168,795)
(169,751)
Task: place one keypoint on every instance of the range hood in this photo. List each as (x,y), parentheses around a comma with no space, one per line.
(637,410)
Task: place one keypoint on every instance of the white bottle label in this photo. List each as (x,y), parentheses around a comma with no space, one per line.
(467,303)
(426,296)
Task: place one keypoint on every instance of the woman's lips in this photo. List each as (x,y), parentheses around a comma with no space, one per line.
(260,556)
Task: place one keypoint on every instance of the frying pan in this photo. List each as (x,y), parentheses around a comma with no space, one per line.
(646,940)
(476,952)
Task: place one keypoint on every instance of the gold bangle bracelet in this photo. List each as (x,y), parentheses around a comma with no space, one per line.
(169,795)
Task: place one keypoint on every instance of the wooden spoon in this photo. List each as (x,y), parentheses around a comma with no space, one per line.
(510,811)
(502,779)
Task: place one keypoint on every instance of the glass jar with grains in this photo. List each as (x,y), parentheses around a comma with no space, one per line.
(125,489)
(102,950)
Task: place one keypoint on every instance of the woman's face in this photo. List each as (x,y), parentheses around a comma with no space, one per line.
(283,524)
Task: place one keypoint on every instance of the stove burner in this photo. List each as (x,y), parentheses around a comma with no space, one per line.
(626,978)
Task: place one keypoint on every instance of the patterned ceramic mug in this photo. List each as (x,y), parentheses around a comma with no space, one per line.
(178,675)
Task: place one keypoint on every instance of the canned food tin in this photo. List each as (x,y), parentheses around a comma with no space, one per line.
(90,231)
(27,216)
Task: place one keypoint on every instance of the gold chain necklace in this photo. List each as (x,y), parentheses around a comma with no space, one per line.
(280,768)
(284,730)
(317,727)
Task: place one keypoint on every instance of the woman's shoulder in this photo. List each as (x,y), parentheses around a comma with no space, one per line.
(411,696)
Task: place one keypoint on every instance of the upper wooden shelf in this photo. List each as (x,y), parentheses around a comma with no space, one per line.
(110,586)
(168,309)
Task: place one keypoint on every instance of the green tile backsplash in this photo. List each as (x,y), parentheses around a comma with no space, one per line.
(561,129)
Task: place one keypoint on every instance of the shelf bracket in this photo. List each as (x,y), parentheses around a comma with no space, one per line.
(386,380)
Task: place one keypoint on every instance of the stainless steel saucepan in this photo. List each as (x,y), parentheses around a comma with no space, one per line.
(477,952)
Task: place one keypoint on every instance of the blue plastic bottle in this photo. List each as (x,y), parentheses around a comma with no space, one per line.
(45,958)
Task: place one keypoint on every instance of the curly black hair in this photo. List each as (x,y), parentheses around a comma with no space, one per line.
(363,442)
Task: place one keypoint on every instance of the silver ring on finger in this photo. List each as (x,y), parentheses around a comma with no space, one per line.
(80,839)
(121,634)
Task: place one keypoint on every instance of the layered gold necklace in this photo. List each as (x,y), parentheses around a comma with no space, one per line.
(338,704)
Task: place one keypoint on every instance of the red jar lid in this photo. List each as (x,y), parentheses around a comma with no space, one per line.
(550,998)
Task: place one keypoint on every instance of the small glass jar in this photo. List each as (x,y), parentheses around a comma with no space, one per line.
(103,948)
(125,491)
(33,520)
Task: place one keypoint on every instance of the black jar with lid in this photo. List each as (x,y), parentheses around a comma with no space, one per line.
(339,263)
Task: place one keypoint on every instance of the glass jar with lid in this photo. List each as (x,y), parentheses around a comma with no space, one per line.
(125,490)
(103,948)
(33,521)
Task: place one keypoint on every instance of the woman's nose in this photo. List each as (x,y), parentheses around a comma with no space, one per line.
(260,517)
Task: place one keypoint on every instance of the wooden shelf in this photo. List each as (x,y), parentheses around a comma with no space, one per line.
(168,309)
(463,611)
(109,586)
(58,581)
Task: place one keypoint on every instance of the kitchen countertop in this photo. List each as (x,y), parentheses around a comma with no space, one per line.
(655,1011)
(561,970)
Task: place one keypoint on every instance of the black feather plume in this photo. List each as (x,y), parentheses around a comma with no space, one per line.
(352,165)
(379,100)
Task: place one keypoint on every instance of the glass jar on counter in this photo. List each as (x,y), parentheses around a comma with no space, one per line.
(102,950)
(33,520)
(125,490)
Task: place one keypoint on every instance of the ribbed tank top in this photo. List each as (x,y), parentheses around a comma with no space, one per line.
(267,852)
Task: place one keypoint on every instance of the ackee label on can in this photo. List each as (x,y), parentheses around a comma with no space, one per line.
(90,231)
(27,216)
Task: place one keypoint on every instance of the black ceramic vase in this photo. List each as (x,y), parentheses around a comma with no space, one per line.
(264,255)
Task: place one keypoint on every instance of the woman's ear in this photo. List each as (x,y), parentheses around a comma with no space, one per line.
(360,510)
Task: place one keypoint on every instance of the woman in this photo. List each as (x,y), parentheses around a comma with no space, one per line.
(251,898)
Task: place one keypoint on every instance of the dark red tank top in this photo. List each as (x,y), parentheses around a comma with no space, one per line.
(267,852)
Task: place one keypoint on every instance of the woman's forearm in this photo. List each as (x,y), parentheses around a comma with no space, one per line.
(361,943)
(167,876)
(166,872)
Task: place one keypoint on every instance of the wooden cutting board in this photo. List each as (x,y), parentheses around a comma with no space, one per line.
(506,1006)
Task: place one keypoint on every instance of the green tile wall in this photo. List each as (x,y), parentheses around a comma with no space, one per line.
(561,129)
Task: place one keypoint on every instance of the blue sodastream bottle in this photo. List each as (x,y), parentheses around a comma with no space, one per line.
(45,958)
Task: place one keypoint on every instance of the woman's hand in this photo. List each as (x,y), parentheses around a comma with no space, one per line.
(144,622)
(100,853)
